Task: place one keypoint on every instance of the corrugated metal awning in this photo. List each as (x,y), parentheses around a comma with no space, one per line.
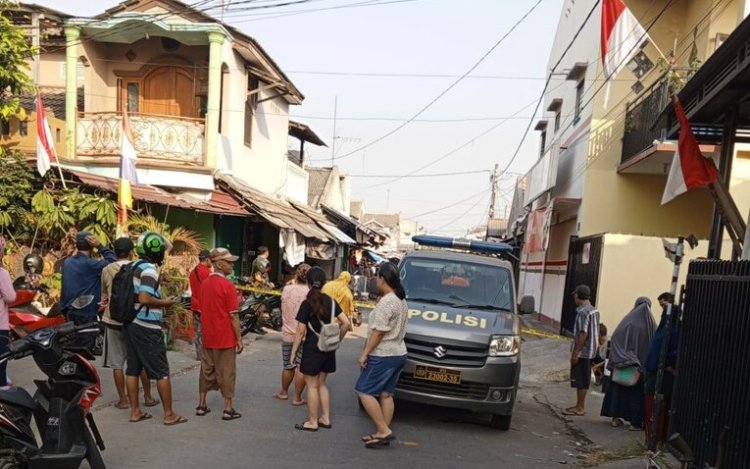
(153,194)
(276,211)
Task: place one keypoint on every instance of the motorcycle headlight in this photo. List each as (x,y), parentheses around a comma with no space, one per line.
(504,345)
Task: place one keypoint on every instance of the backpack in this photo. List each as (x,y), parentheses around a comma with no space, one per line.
(329,338)
(123,299)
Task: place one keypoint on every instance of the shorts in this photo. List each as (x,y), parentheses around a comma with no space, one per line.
(286,355)
(380,375)
(315,362)
(580,374)
(147,351)
(218,371)
(115,351)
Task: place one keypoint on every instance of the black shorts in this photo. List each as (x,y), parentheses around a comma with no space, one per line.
(580,374)
(147,351)
(315,362)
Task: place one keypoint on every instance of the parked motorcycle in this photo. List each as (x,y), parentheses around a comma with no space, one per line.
(61,406)
(25,318)
(82,302)
(259,311)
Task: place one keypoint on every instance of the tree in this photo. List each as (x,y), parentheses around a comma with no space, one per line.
(15,49)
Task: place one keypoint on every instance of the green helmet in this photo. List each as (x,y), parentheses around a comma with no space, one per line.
(152,246)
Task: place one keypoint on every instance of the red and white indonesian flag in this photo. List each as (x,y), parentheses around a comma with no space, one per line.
(45,150)
(622,36)
(690,169)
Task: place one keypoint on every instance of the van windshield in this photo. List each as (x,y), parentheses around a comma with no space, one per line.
(457,283)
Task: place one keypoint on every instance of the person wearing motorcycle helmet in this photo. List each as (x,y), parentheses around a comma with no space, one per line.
(146,348)
(7,296)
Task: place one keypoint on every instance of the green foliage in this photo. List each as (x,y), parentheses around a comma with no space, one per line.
(16,187)
(15,48)
(183,239)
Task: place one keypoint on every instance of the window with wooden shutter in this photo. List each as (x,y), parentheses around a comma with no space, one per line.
(251,104)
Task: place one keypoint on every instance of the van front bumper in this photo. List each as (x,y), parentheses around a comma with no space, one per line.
(487,389)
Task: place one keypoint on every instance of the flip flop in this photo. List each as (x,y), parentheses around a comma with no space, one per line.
(324,425)
(176,421)
(231,415)
(152,403)
(201,411)
(379,442)
(301,426)
(573,413)
(278,396)
(144,416)
(617,423)
(299,403)
(121,406)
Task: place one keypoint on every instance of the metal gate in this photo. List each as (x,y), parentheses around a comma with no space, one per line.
(584,260)
(711,392)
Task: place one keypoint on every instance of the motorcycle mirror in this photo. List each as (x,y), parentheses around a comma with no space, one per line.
(82,301)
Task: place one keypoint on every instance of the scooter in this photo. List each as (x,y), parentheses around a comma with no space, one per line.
(25,318)
(83,301)
(260,311)
(61,406)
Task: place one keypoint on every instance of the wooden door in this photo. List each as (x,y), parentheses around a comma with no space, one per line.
(169,91)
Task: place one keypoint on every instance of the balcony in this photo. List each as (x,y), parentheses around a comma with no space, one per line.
(640,117)
(161,140)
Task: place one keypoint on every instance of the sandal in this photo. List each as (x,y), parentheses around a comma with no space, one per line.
(231,415)
(378,442)
(201,411)
(324,425)
(280,396)
(152,403)
(176,421)
(301,426)
(573,412)
(299,403)
(144,416)
(617,423)
(121,406)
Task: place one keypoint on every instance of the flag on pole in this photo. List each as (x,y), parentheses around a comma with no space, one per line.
(128,175)
(44,149)
(690,169)
(622,36)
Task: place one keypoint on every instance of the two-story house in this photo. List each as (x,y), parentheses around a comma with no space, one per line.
(209,112)
(589,210)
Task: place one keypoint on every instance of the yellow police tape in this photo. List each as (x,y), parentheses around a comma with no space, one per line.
(370,305)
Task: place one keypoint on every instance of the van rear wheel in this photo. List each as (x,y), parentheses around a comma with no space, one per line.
(501,422)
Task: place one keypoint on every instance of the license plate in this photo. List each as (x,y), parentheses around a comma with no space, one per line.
(440,375)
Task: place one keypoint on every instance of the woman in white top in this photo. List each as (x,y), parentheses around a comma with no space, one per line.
(384,356)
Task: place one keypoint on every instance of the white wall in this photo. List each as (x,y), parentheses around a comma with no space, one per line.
(297,181)
(263,165)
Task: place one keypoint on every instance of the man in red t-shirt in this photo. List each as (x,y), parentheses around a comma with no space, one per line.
(222,340)
(197,276)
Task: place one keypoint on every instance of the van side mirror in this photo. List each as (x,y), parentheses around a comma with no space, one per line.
(526,306)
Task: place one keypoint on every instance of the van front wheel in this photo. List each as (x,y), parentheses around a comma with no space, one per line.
(501,422)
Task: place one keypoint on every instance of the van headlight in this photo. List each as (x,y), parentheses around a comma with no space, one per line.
(504,345)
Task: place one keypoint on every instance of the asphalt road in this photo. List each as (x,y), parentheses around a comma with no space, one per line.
(265,435)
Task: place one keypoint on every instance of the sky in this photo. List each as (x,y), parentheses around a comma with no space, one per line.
(367,64)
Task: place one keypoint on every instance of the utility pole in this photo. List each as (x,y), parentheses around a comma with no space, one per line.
(493,182)
(333,140)
(35,40)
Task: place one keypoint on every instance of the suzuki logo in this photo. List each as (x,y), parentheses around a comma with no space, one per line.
(67,369)
(440,351)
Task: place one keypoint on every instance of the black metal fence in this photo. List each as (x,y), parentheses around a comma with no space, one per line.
(712,393)
(640,116)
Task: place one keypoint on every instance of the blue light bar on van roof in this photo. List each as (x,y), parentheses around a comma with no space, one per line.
(467,244)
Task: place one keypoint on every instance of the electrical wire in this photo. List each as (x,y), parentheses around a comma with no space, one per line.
(446,90)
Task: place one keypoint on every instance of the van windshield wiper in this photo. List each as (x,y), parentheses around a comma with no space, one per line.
(485,306)
(431,300)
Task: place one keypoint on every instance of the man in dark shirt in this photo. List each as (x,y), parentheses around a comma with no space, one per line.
(82,275)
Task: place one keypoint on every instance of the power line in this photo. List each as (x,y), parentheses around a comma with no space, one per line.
(471,197)
(479,171)
(448,89)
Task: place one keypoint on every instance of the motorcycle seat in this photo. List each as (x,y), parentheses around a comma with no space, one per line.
(18,397)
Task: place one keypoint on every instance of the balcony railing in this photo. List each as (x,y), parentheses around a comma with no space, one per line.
(171,139)
(640,116)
